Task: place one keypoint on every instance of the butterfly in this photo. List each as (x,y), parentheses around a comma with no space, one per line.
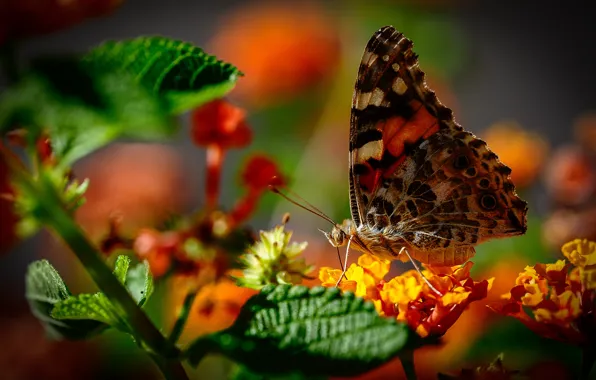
(421,187)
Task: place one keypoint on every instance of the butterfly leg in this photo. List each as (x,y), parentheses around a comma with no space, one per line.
(435,290)
(345,265)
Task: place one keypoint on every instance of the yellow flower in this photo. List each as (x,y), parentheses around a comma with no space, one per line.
(582,254)
(555,301)
(408,297)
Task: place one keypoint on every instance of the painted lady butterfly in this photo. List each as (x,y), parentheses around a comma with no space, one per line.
(420,186)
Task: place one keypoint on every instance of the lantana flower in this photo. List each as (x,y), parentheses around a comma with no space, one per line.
(205,244)
(558,300)
(513,143)
(218,126)
(408,297)
(274,260)
(259,38)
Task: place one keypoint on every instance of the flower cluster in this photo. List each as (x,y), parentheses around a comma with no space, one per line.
(204,244)
(408,297)
(558,300)
(273,260)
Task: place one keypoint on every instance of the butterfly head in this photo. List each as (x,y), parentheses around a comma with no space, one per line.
(340,233)
(337,237)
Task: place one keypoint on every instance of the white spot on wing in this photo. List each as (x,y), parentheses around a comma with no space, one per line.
(399,86)
(377,97)
(372,149)
(395,67)
(362,100)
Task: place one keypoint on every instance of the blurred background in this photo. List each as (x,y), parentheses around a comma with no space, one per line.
(519,75)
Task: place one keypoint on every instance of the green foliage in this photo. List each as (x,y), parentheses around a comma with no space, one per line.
(139,282)
(120,89)
(184,74)
(80,316)
(28,204)
(316,332)
(82,109)
(97,307)
(44,289)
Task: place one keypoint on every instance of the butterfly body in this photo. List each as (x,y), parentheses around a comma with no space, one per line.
(418,181)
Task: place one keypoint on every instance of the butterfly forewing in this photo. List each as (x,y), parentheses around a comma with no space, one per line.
(416,178)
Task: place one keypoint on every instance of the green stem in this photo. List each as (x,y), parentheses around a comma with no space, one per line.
(53,215)
(588,359)
(407,362)
(182,317)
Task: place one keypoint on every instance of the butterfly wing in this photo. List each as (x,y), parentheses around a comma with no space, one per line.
(415,175)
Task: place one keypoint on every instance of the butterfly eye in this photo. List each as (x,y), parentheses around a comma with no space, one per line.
(461,162)
(488,201)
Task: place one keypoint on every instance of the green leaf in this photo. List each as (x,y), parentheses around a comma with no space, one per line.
(335,334)
(139,282)
(181,72)
(44,289)
(121,268)
(97,307)
(82,109)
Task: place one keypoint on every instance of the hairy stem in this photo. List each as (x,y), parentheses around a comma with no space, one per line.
(182,317)
(52,213)
(407,362)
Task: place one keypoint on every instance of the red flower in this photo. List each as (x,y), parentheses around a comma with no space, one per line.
(259,173)
(218,126)
(222,124)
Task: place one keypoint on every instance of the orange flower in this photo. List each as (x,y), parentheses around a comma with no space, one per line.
(571,176)
(555,301)
(514,145)
(141,184)
(216,306)
(218,126)
(408,297)
(268,43)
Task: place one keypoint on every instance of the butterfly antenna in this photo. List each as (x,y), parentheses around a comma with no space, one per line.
(435,290)
(309,207)
(313,207)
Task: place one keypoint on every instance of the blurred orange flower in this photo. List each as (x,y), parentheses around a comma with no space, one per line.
(141,184)
(557,300)
(524,152)
(215,308)
(282,48)
(571,176)
(25,18)
(408,297)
